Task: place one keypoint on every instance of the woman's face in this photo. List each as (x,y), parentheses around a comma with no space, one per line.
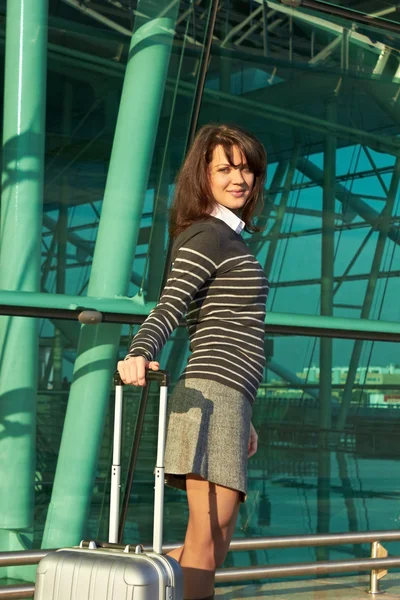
(230,186)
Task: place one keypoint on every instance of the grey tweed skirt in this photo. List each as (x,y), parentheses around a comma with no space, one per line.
(207,435)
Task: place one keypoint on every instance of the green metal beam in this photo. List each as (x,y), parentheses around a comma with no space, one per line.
(344,196)
(114,304)
(21,222)
(263,109)
(340,279)
(326,23)
(339,324)
(136,306)
(275,231)
(112,264)
(257,240)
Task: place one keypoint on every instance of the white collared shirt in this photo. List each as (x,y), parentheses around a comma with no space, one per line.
(226,215)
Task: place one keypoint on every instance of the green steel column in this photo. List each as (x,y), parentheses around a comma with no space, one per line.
(325,357)
(348,497)
(57,355)
(323,493)
(384,225)
(327,264)
(112,265)
(20,238)
(62,239)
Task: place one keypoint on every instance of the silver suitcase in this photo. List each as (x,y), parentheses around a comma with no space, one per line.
(110,571)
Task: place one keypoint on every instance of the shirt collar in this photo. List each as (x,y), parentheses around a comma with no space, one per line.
(228,217)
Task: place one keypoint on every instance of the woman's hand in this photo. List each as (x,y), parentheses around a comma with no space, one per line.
(133,370)
(253,441)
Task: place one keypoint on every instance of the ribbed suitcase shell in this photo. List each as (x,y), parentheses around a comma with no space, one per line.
(105,574)
(97,573)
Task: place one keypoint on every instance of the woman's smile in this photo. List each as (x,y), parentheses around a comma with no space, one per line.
(237,193)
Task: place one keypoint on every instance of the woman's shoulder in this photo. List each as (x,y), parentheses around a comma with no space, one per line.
(199,229)
(203,237)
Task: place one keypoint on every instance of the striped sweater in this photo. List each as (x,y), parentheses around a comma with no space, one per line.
(222,289)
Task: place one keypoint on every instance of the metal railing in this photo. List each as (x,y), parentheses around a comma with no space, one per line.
(92,311)
(377,564)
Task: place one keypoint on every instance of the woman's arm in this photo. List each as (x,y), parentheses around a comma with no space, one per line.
(195,262)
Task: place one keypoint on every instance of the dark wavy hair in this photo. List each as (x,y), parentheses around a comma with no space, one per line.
(193,198)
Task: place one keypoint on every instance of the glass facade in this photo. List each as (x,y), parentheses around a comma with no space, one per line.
(93,179)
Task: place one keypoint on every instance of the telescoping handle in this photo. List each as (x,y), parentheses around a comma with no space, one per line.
(162,379)
(115,492)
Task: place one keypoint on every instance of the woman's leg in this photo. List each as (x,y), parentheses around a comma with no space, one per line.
(213,511)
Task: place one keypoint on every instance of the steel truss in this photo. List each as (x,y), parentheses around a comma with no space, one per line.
(279,33)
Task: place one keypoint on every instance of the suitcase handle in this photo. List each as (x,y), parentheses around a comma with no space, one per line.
(160,376)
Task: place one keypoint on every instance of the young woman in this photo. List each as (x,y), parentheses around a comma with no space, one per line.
(218,284)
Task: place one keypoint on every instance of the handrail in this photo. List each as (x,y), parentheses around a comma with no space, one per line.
(32,557)
(20,558)
(301,569)
(301,541)
(251,573)
(23,590)
(375,565)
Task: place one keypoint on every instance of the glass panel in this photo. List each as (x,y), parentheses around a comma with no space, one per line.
(324,114)
(81,122)
(88,52)
(305,478)
(87,57)
(296,458)
(309,479)
(322,97)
